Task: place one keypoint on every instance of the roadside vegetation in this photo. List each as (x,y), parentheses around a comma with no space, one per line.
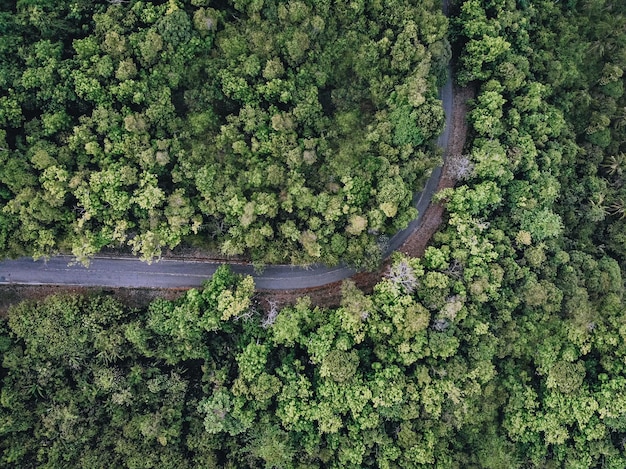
(502,347)
(291,132)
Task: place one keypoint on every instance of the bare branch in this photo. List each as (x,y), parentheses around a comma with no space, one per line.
(402,275)
(459,167)
(440,325)
(455,270)
(269,319)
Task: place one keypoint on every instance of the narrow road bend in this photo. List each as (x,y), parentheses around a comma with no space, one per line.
(176,273)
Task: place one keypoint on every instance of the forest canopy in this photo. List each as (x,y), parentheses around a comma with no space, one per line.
(285,131)
(503,346)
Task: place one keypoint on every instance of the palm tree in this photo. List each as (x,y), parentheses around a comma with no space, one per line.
(615,165)
(618,208)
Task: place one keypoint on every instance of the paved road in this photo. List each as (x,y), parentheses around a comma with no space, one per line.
(422,199)
(130,272)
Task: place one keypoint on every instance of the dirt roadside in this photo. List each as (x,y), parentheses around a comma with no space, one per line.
(325,296)
(330,294)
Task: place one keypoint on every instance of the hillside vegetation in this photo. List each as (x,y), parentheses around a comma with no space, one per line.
(502,347)
(285,131)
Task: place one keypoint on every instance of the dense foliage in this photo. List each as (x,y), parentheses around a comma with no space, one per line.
(503,347)
(541,255)
(437,366)
(205,382)
(288,131)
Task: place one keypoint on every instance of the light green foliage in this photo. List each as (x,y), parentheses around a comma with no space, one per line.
(471,201)
(491,161)
(245,125)
(339,366)
(502,348)
(325,391)
(486,117)
(557,344)
(289,323)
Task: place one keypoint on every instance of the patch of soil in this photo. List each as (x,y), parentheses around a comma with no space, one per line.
(330,295)
(416,243)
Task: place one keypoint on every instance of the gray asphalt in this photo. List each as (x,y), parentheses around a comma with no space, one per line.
(167,273)
(422,199)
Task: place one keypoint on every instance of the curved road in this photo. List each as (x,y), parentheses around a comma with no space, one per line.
(169,273)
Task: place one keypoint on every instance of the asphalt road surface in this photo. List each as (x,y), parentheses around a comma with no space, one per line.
(130,272)
(170,273)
